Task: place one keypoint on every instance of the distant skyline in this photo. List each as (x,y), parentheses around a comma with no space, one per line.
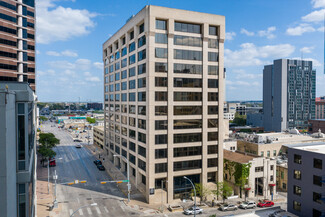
(70,34)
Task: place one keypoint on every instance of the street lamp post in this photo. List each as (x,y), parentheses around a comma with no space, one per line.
(128,174)
(194,194)
(93,204)
(55,203)
(48,173)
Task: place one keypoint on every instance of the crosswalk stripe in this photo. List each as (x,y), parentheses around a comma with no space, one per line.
(89,211)
(70,211)
(98,210)
(81,212)
(106,210)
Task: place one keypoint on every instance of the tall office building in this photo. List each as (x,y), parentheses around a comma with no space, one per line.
(18,149)
(164,94)
(289,88)
(17,41)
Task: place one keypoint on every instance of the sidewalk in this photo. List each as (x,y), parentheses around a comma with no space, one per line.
(44,199)
(138,201)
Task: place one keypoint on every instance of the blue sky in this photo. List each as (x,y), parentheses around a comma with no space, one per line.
(70,34)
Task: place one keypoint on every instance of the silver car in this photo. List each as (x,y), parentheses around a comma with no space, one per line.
(191,211)
(248,205)
(228,207)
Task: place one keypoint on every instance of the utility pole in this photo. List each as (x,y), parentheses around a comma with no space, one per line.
(55,203)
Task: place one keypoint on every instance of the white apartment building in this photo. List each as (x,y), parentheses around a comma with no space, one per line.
(163,97)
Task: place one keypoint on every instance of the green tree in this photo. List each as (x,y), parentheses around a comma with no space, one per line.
(48,140)
(41,105)
(240,120)
(91,120)
(43,118)
(223,190)
(201,191)
(46,152)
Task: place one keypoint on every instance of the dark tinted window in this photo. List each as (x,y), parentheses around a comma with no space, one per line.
(187,54)
(212,30)
(161,24)
(318,163)
(161,38)
(187,27)
(161,67)
(187,68)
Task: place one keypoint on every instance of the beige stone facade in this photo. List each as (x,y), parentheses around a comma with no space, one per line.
(261,181)
(282,177)
(164,94)
(99,136)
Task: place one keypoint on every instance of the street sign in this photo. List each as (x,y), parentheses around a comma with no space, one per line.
(76,181)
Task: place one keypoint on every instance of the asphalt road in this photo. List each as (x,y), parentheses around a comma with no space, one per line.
(77,164)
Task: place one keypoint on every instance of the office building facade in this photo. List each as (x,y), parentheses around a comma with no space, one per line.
(18,149)
(289,88)
(306,171)
(17,41)
(163,98)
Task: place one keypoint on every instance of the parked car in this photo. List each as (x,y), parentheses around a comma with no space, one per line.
(100,167)
(265,203)
(52,162)
(247,205)
(97,162)
(78,146)
(228,207)
(191,211)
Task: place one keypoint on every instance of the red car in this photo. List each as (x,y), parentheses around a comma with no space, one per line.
(52,162)
(265,204)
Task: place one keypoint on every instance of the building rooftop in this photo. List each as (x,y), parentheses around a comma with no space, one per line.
(316,147)
(99,127)
(237,156)
(277,138)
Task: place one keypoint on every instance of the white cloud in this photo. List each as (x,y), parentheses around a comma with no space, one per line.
(267,33)
(318,3)
(69,53)
(315,16)
(246,32)
(306,49)
(93,79)
(241,83)
(241,74)
(56,23)
(83,64)
(251,55)
(99,65)
(230,35)
(53,53)
(301,29)
(87,74)
(38,52)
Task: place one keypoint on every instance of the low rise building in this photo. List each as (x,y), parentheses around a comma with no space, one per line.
(95,106)
(320,108)
(99,136)
(262,172)
(282,176)
(270,144)
(315,125)
(306,178)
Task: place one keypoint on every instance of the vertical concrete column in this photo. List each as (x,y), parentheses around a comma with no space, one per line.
(170,130)
(205,34)
(221,95)
(150,103)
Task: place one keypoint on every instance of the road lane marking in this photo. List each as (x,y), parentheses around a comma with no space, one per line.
(122,208)
(106,210)
(89,211)
(98,210)
(70,211)
(80,212)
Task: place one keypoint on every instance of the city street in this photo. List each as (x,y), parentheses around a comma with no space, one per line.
(77,164)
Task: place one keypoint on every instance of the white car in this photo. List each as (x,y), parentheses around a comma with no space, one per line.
(78,146)
(228,207)
(247,205)
(191,211)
